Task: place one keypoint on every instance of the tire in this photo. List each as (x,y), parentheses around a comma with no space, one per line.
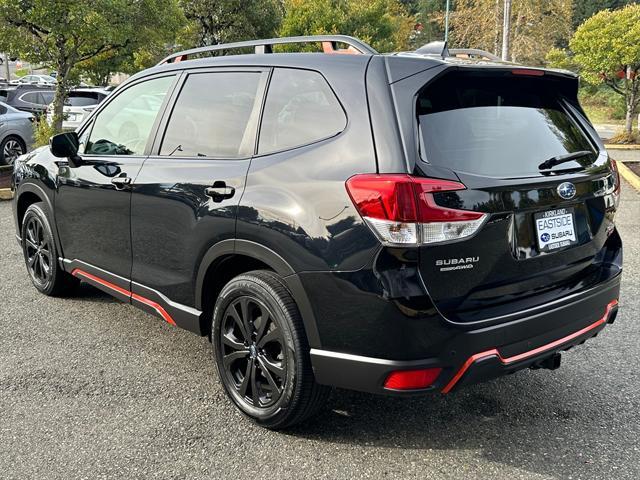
(10,149)
(287,393)
(41,255)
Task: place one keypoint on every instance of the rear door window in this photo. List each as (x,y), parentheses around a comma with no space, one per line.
(300,109)
(212,116)
(496,126)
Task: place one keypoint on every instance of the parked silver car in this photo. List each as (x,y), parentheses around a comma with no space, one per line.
(16,133)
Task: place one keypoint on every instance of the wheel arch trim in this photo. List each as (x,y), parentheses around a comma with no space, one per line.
(274,261)
(30,187)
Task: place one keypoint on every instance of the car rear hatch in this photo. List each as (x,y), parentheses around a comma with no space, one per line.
(524,156)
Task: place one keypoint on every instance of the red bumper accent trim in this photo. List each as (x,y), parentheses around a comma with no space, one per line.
(156,306)
(134,296)
(530,353)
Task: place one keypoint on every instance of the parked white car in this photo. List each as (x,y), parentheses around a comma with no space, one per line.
(80,103)
(37,79)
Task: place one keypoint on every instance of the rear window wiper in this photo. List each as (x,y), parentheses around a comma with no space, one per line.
(568,157)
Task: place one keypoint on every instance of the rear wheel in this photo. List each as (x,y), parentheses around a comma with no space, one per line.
(10,149)
(40,254)
(262,353)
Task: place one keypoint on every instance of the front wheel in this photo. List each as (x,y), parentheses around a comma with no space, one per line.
(262,353)
(41,255)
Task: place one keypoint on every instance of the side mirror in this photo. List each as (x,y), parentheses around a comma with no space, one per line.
(66,145)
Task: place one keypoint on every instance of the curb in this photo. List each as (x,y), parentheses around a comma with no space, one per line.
(629,176)
(621,146)
(6,194)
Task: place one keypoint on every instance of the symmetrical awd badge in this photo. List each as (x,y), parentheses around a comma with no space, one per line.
(566,190)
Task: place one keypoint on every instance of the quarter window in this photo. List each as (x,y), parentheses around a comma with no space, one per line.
(300,109)
(212,116)
(47,97)
(32,97)
(124,126)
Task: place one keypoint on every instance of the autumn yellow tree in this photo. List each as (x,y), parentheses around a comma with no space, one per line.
(536,27)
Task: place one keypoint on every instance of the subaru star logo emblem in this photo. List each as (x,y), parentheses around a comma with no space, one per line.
(567,190)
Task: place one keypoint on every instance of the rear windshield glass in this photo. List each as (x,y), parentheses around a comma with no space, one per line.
(496,126)
(81,101)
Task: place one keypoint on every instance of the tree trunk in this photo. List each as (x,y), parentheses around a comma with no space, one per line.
(6,66)
(60,95)
(496,39)
(506,26)
(631,100)
(628,124)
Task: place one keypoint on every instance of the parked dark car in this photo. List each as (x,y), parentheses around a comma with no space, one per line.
(28,98)
(397,224)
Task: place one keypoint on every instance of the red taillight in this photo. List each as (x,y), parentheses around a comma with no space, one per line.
(385,197)
(616,176)
(528,72)
(429,211)
(412,379)
(401,209)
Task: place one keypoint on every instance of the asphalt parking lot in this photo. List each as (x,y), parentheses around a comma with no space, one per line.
(91,388)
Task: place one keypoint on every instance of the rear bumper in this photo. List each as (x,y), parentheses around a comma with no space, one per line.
(474,356)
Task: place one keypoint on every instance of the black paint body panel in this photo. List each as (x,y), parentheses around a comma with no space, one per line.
(367,309)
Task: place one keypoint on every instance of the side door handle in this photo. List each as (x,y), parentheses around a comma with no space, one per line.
(219,191)
(121,182)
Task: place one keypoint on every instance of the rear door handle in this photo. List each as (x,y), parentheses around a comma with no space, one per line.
(121,182)
(220,191)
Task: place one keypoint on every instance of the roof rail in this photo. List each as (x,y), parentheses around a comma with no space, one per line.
(265,46)
(474,52)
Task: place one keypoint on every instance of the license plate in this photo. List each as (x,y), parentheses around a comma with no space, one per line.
(71,117)
(555,229)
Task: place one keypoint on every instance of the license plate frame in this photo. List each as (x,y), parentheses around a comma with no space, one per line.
(555,229)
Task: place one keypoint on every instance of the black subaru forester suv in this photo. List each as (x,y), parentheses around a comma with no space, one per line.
(395,224)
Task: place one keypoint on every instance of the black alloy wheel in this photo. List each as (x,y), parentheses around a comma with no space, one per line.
(262,353)
(37,251)
(253,352)
(41,255)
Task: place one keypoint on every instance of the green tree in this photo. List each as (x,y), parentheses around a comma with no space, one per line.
(384,24)
(224,21)
(583,9)
(65,33)
(429,15)
(561,58)
(607,49)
